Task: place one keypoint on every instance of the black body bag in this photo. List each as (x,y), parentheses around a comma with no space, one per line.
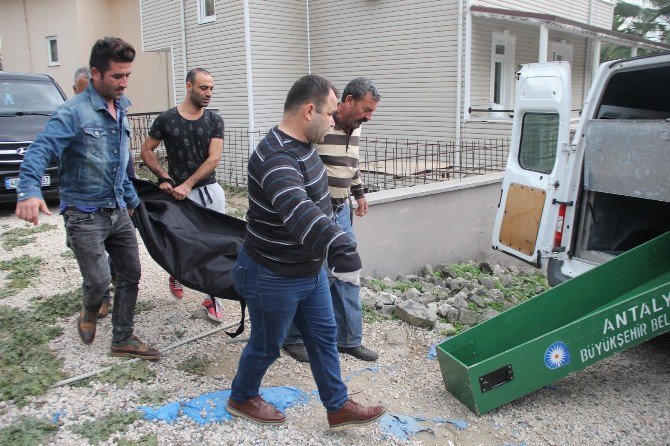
(196,245)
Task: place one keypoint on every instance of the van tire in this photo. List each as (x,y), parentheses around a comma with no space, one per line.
(554,275)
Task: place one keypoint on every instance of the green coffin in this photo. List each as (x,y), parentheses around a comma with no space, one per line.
(613,307)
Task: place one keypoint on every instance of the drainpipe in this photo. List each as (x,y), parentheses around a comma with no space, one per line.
(183,41)
(30,52)
(309,43)
(459,84)
(544,43)
(250,86)
(468,61)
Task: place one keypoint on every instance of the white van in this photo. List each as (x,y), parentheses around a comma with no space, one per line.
(573,204)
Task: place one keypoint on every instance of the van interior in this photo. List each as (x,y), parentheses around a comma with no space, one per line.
(625,198)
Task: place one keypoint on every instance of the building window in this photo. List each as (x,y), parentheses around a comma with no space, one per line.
(206,12)
(52,51)
(502,71)
(560,51)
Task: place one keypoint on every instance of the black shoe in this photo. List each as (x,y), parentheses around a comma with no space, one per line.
(360,352)
(297,352)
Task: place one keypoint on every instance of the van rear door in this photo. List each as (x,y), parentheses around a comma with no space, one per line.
(527,221)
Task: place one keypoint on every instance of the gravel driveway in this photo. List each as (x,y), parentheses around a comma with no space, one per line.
(622,400)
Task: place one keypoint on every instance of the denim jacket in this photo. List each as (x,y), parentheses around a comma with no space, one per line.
(84,137)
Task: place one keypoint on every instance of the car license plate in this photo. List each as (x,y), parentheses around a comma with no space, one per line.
(11,183)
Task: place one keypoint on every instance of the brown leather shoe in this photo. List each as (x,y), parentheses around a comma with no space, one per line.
(256,409)
(134,348)
(104,309)
(86,325)
(353,414)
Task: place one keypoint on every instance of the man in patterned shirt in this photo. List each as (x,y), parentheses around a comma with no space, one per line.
(193,139)
(339,153)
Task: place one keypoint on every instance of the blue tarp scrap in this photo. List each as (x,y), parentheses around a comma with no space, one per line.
(432,352)
(211,407)
(58,415)
(404,426)
(355,373)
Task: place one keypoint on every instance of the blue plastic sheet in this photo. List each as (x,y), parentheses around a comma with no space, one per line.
(211,407)
(404,426)
(432,352)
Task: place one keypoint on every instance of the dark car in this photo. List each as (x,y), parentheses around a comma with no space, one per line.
(26,104)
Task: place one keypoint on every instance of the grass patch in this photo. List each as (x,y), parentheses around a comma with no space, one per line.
(147,440)
(466,270)
(60,305)
(6,292)
(406,285)
(21,270)
(67,254)
(370,315)
(143,306)
(154,397)
(28,431)
(496,306)
(377,285)
(458,326)
(229,189)
(195,365)
(23,236)
(238,213)
(100,430)
(27,367)
(472,306)
(525,286)
(126,373)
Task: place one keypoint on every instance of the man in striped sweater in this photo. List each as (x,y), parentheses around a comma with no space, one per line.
(280,272)
(339,153)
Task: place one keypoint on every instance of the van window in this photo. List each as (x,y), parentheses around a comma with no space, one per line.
(642,93)
(539,137)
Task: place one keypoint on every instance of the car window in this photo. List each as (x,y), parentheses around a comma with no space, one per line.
(28,96)
(539,137)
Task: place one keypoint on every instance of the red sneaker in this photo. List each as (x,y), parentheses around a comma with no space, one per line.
(175,288)
(213,309)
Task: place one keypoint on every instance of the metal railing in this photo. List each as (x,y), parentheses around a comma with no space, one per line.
(384,163)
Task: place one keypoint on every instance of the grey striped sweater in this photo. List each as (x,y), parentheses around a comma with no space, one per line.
(290,229)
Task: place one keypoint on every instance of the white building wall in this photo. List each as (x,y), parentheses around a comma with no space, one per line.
(219,48)
(603,13)
(408,47)
(278,55)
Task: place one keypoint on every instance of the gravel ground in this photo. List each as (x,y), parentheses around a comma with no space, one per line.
(622,400)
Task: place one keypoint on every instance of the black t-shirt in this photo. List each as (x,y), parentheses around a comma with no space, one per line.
(187,142)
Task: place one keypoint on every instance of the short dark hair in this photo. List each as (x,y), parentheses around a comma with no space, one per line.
(359,87)
(310,88)
(190,77)
(110,49)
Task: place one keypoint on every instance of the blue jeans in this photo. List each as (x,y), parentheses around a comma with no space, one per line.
(346,298)
(90,235)
(274,302)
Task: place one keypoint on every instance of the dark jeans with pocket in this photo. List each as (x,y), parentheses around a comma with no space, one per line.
(90,235)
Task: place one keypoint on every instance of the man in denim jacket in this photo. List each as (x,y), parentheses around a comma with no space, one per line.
(89,135)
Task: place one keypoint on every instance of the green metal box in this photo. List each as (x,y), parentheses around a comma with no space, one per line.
(615,306)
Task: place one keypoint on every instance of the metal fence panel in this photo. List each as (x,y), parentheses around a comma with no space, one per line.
(384,163)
